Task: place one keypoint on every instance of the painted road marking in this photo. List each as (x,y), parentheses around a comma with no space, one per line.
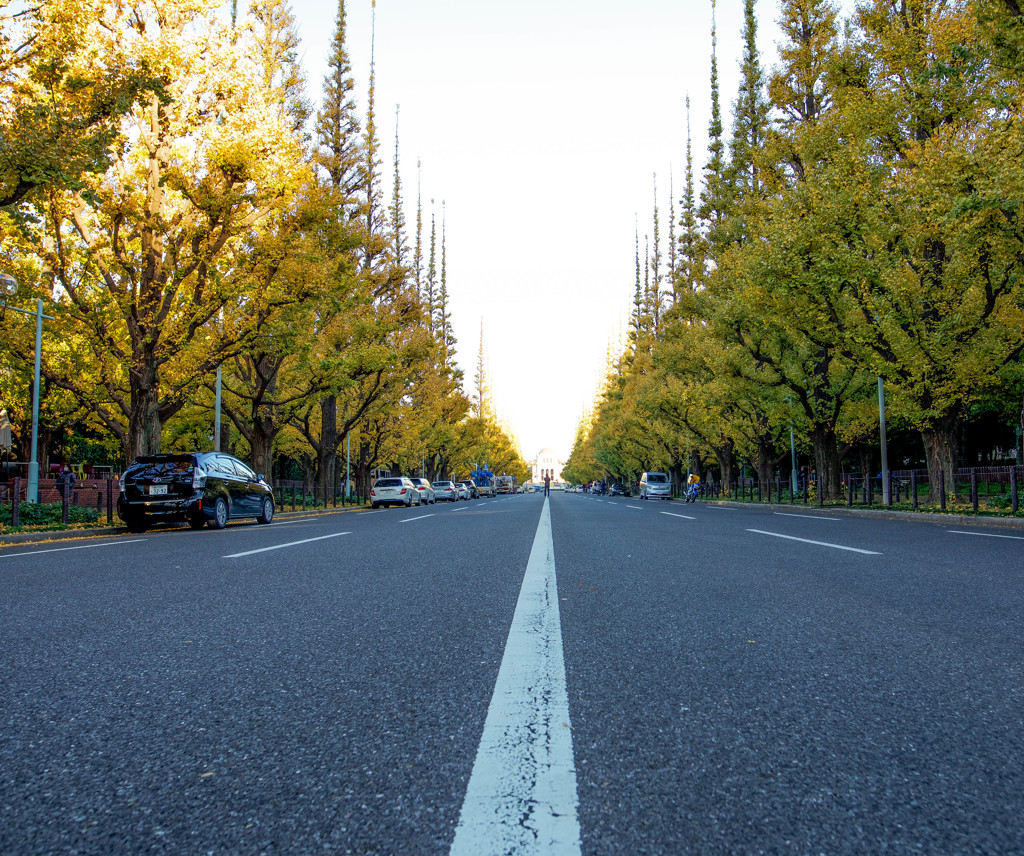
(282,546)
(819,543)
(522,797)
(805,516)
(411,519)
(62,549)
(986,534)
(637,507)
(684,516)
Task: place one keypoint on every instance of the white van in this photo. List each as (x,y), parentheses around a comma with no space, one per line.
(655,486)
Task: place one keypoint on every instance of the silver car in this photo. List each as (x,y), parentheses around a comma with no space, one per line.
(463,490)
(426,491)
(446,490)
(394,491)
(655,486)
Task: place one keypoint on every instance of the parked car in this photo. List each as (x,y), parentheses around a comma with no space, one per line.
(470,485)
(463,490)
(427,496)
(394,491)
(446,490)
(655,486)
(198,487)
(620,490)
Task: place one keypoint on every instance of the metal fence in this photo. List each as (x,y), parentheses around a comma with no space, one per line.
(988,490)
(101,495)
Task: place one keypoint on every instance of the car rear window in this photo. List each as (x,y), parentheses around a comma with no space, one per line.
(388,483)
(658,478)
(150,468)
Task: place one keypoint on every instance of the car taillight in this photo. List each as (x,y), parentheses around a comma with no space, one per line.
(198,478)
(402,491)
(373,492)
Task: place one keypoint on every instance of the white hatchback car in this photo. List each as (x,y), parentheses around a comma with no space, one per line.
(655,486)
(394,491)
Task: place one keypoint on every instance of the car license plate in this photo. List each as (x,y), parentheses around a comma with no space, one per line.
(158,490)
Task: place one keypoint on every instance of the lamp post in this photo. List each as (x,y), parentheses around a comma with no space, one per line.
(8,287)
(885,450)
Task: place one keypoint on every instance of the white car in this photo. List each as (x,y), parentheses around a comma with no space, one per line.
(446,490)
(394,491)
(463,490)
(426,491)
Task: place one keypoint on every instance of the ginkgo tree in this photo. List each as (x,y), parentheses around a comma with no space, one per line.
(142,261)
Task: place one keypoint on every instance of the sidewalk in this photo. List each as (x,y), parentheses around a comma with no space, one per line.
(12,538)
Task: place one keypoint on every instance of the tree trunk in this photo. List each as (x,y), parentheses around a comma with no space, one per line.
(144,428)
(827,462)
(940,452)
(725,452)
(261,447)
(327,453)
(765,463)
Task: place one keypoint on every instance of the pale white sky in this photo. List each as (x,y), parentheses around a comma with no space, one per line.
(541,125)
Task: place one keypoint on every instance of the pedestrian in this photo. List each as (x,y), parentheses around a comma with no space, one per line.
(66,481)
(547,484)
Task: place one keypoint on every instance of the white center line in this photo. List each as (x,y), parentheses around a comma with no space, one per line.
(985,534)
(79,547)
(282,546)
(522,797)
(637,507)
(411,519)
(819,543)
(461,508)
(805,516)
(684,516)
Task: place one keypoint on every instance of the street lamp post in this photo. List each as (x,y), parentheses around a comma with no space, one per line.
(8,286)
(886,498)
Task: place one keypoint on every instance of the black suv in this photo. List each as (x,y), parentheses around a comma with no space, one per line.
(199,487)
(619,490)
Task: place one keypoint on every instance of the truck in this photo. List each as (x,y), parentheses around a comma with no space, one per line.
(484,479)
(505,484)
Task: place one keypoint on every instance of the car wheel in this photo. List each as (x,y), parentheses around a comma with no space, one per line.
(220,514)
(136,523)
(267,511)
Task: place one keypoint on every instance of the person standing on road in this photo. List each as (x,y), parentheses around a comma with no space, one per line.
(547,484)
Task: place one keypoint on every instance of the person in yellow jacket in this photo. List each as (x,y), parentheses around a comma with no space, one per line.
(692,486)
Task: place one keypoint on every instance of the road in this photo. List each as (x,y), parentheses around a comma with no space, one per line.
(586,675)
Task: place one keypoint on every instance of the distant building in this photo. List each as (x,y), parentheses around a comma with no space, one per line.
(546,464)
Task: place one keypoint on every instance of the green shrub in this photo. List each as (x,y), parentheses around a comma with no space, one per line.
(47,515)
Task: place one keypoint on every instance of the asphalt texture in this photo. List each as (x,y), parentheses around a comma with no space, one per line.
(731,692)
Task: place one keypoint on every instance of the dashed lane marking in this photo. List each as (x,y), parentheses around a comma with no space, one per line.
(805,516)
(283,546)
(986,534)
(411,519)
(684,516)
(818,543)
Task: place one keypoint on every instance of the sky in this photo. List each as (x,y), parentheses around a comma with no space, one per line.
(543,128)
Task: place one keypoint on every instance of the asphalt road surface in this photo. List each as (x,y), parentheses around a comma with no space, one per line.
(583,675)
